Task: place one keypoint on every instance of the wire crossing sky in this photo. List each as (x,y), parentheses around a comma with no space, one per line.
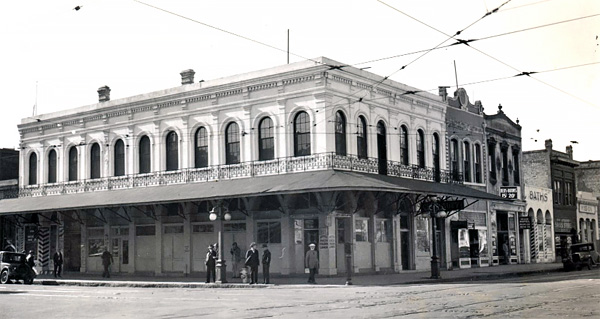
(539,59)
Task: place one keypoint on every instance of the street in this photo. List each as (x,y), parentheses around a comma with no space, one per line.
(559,294)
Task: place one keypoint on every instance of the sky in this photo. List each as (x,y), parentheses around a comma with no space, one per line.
(56,57)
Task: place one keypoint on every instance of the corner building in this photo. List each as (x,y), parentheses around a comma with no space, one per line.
(303,153)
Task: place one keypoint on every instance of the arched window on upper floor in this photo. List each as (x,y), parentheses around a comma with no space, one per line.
(119,159)
(420,149)
(361,137)
(478,164)
(340,133)
(467,161)
(436,157)
(172,148)
(73,163)
(454,168)
(95,161)
(144,155)
(33,164)
(266,139)
(232,144)
(403,145)
(301,134)
(52,167)
(201,148)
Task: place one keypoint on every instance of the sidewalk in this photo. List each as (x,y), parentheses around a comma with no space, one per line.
(405,277)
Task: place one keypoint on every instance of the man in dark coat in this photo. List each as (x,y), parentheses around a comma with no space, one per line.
(30,259)
(107,260)
(58,262)
(211,262)
(252,261)
(311,261)
(266,262)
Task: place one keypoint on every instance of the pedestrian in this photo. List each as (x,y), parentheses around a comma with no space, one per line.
(30,259)
(311,261)
(236,257)
(252,261)
(506,252)
(266,262)
(58,262)
(211,262)
(107,260)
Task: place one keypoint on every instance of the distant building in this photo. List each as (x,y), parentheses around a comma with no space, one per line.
(9,173)
(588,198)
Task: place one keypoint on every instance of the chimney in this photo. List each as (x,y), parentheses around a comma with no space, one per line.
(548,144)
(187,76)
(570,151)
(443,92)
(104,94)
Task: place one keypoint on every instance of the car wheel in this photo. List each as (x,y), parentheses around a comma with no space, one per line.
(4,277)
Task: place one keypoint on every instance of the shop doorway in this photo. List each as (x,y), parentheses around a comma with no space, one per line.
(311,233)
(120,249)
(405,240)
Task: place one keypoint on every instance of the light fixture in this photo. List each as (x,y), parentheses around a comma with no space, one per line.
(213,214)
(227,216)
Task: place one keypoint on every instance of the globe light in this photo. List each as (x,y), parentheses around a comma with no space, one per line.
(227,216)
(442,214)
(212,217)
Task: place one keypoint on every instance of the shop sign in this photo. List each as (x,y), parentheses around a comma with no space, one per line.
(509,192)
(323,242)
(586,208)
(525,223)
(562,225)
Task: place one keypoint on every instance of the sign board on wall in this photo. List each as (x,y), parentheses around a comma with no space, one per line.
(525,223)
(510,192)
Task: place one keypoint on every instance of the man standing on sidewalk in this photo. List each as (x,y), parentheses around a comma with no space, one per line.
(211,262)
(266,262)
(311,261)
(58,262)
(107,260)
(236,257)
(252,261)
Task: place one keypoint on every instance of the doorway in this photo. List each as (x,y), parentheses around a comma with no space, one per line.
(311,233)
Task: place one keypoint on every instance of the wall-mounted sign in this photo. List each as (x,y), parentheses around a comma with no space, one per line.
(509,192)
(525,223)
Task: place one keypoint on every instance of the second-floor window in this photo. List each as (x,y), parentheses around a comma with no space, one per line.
(516,171)
(454,158)
(33,169)
(568,194)
(478,177)
(144,156)
(301,134)
(201,148)
(467,161)
(340,133)
(95,161)
(558,192)
(420,149)
(172,147)
(403,145)
(492,161)
(73,163)
(436,156)
(232,144)
(119,164)
(361,137)
(266,142)
(52,168)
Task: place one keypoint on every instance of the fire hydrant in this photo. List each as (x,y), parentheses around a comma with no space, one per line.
(244,275)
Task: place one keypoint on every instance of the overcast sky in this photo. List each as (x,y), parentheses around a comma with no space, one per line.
(136,48)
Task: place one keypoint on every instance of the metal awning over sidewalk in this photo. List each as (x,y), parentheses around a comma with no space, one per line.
(314,181)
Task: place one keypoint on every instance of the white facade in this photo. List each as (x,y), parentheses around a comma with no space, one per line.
(539,241)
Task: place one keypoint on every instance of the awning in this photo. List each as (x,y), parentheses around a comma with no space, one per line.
(314,181)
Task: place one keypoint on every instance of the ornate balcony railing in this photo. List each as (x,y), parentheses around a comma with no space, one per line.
(278,166)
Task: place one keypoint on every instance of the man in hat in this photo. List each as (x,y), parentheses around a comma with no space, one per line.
(107,260)
(236,257)
(266,262)
(211,263)
(311,261)
(252,261)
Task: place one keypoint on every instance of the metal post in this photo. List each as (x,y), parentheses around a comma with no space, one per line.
(221,265)
(435,265)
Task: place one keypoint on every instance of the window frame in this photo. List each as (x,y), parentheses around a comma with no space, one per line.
(340,133)
(420,139)
(33,169)
(145,155)
(119,158)
(232,144)
(271,226)
(201,147)
(361,138)
(266,139)
(404,152)
(302,143)
(95,161)
(172,151)
(73,161)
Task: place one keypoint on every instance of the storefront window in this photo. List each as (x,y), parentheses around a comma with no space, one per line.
(422,235)
(146,230)
(384,231)
(235,227)
(269,232)
(203,228)
(361,229)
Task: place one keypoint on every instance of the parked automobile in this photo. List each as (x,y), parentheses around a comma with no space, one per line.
(581,255)
(14,267)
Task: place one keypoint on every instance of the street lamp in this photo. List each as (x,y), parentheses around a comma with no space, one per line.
(435,260)
(218,213)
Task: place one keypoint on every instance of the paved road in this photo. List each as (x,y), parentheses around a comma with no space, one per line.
(560,294)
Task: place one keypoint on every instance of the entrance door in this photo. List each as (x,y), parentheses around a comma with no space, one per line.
(381,148)
(172,244)
(311,233)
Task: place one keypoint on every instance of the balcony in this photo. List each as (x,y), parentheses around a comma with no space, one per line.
(279,166)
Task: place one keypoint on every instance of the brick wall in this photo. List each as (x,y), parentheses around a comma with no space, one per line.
(536,169)
(588,177)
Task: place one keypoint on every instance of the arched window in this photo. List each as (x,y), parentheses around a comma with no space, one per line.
(478,165)
(382,148)
(467,161)
(454,159)
(95,161)
(361,137)
(73,164)
(420,149)
(33,169)
(266,142)
(340,133)
(201,148)
(119,162)
(52,168)
(301,134)
(144,155)
(403,145)
(232,144)
(172,146)
(436,157)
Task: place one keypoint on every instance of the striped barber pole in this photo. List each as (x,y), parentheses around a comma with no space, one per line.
(533,244)
(43,253)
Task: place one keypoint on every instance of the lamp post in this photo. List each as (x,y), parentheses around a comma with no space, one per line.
(217,213)
(435,260)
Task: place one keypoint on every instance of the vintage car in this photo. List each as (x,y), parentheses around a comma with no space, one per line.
(581,255)
(14,267)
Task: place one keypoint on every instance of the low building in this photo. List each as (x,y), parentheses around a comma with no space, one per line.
(538,234)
